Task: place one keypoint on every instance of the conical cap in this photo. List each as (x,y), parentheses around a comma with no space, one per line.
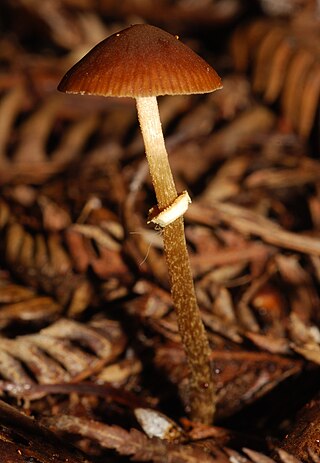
(140,61)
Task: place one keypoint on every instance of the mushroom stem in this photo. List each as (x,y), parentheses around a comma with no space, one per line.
(157,156)
(191,328)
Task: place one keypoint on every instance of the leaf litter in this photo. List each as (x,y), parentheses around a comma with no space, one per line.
(89,344)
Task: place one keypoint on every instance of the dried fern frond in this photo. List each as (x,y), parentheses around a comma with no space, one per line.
(283,57)
(58,260)
(63,352)
(160,450)
(67,26)
(284,7)
(24,149)
(133,442)
(35,310)
(44,264)
(79,24)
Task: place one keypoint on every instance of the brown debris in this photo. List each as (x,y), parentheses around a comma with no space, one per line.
(131,442)
(241,376)
(89,338)
(247,221)
(23,439)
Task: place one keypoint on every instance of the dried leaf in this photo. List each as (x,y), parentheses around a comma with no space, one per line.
(132,442)
(242,377)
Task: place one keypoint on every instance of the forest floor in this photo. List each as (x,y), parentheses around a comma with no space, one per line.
(91,364)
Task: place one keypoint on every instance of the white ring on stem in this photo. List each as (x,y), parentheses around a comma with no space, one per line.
(170,213)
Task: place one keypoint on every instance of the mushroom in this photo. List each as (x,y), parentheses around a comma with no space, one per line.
(143,62)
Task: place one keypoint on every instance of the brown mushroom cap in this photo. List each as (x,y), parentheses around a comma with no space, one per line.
(140,61)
